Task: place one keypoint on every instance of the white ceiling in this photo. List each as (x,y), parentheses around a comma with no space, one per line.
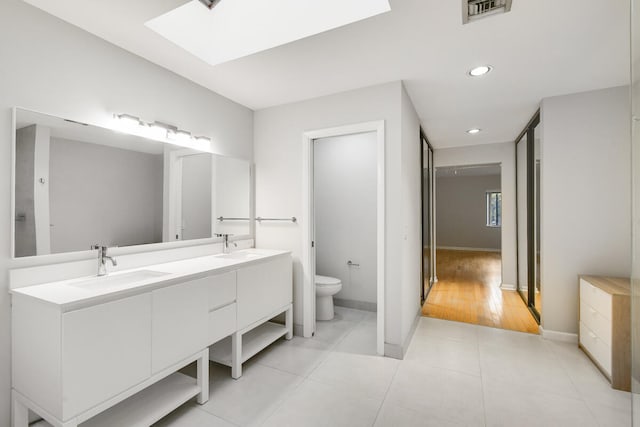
(541,48)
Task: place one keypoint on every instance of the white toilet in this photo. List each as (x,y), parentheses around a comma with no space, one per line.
(326,288)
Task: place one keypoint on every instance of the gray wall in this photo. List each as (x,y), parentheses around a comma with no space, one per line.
(345,173)
(585,200)
(103,195)
(461,212)
(88,79)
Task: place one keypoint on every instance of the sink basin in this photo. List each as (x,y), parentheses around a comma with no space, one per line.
(241,256)
(106,282)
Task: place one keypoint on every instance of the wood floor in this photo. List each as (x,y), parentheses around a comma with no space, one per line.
(468,290)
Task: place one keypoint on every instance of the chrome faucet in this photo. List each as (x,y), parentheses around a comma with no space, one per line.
(102,257)
(225,242)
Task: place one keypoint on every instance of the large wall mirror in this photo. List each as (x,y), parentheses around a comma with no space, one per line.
(78,185)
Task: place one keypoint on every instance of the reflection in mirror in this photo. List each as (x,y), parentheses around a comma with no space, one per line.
(78,185)
(231,195)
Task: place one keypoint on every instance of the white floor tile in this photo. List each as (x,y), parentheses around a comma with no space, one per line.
(332,331)
(317,404)
(362,339)
(446,329)
(351,314)
(360,375)
(298,356)
(251,398)
(190,415)
(533,366)
(444,353)
(509,404)
(445,397)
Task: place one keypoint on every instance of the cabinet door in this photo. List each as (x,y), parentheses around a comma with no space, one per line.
(179,322)
(262,289)
(105,349)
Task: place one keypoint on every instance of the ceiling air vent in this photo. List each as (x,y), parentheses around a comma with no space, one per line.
(476,9)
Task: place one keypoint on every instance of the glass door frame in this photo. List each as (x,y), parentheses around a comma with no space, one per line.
(424,293)
(529,132)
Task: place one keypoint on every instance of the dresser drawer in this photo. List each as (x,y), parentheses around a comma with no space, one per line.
(222,290)
(598,349)
(222,323)
(596,298)
(594,320)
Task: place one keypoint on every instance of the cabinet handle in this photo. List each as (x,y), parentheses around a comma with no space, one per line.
(593,336)
(593,312)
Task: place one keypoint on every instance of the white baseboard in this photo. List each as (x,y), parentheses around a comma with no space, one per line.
(558,336)
(460,248)
(396,351)
(508,287)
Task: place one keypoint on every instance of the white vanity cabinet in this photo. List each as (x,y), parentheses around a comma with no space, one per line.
(264,291)
(179,322)
(101,357)
(59,359)
(70,367)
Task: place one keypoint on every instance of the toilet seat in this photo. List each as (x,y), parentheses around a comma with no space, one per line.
(327,281)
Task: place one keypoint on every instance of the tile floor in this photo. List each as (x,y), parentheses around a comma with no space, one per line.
(454,374)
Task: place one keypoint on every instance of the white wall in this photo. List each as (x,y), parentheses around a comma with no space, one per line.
(585,206)
(486,154)
(462,212)
(278,159)
(345,174)
(411,211)
(88,79)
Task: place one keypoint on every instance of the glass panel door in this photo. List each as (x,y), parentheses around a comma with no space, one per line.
(528,215)
(428,250)
(521,192)
(537,300)
(635,266)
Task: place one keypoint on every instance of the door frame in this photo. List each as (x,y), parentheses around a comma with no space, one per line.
(432,216)
(529,133)
(308,226)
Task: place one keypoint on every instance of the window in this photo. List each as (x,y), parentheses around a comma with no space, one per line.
(494,208)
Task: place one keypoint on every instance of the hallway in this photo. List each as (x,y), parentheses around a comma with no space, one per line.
(468,290)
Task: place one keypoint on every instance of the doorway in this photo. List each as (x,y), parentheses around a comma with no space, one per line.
(357,290)
(469,251)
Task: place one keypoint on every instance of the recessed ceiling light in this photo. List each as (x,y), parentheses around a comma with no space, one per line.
(480,71)
(474,131)
(238,28)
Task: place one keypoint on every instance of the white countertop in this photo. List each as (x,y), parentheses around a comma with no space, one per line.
(68,295)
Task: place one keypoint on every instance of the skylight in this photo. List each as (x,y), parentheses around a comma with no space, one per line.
(237,28)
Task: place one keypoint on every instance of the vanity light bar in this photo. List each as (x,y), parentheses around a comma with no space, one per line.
(160,131)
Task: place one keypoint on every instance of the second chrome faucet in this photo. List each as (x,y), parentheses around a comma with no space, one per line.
(102,259)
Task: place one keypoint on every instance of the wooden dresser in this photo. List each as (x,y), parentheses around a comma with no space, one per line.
(605,323)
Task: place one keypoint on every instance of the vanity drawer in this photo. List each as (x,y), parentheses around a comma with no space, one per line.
(596,298)
(222,323)
(595,321)
(598,349)
(222,290)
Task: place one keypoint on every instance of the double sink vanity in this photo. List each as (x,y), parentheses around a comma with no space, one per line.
(105,351)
